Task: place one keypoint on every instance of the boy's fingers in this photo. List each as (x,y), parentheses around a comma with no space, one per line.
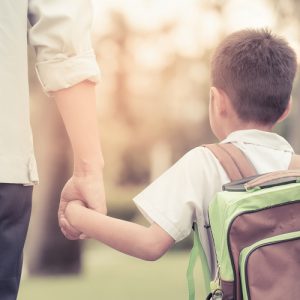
(69,237)
(83,236)
(69,231)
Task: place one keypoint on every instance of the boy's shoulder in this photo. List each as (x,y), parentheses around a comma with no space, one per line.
(201,165)
(199,156)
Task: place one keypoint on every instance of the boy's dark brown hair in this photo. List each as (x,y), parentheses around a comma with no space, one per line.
(256,70)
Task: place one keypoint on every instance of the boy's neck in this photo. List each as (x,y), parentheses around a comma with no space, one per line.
(238,125)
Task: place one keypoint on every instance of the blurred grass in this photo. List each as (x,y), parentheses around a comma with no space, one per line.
(110,275)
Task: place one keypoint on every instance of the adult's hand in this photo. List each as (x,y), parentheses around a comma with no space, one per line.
(87,188)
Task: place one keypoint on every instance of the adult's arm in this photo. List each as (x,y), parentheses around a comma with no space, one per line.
(68,71)
(77,106)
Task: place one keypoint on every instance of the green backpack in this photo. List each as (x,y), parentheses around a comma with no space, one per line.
(255,225)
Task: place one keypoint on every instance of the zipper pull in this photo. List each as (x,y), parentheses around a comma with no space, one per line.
(215,287)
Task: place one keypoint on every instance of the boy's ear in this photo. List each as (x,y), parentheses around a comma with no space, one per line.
(286,112)
(217,100)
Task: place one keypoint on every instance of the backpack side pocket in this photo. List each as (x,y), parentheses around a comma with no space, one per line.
(270,268)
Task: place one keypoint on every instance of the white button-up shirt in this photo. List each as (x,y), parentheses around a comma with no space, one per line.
(182,194)
(60,34)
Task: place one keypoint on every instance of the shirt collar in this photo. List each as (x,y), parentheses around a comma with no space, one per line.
(259,138)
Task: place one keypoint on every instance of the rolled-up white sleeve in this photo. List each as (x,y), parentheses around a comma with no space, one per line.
(60,34)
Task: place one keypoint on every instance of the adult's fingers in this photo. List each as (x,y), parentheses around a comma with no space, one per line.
(97,204)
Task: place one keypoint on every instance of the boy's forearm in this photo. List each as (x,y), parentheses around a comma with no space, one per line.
(129,238)
(77,106)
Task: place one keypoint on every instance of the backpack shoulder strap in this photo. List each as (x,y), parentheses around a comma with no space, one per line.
(237,166)
(295,162)
(233,160)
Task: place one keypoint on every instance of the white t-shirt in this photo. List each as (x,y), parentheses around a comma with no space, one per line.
(182,194)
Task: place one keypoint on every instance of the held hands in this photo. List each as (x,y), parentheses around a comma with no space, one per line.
(87,190)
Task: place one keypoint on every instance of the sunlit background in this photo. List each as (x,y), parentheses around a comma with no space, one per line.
(152,108)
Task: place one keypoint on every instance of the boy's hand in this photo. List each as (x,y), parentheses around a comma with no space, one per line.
(72,216)
(87,188)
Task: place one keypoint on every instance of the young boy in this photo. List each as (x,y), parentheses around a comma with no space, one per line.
(252,75)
